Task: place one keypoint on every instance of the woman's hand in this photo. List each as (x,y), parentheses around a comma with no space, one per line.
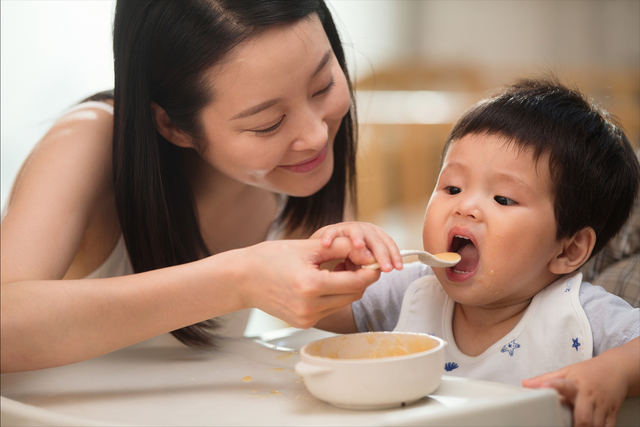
(596,388)
(286,280)
(370,244)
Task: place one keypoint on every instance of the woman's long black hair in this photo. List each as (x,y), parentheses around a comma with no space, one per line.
(162,49)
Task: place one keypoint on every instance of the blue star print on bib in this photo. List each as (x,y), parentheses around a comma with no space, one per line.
(575,344)
(510,348)
(450,366)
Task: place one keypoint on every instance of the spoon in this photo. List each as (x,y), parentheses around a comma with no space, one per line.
(445,259)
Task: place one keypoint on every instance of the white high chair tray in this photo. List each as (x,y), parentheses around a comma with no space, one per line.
(245,382)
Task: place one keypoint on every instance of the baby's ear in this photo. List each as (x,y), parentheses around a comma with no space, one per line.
(576,250)
(168,129)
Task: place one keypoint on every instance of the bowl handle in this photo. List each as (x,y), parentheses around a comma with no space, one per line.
(306,370)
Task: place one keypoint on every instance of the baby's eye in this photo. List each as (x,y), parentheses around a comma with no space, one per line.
(452,190)
(270,129)
(504,201)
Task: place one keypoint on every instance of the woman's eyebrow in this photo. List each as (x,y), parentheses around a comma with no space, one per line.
(256,109)
(264,105)
(323,62)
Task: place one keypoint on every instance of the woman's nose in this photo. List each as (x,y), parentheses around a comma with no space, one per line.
(313,132)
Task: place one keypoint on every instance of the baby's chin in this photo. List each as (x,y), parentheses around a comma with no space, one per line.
(478,278)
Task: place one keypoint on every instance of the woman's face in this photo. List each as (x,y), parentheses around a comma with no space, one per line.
(278,102)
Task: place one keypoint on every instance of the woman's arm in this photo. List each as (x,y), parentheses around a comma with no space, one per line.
(48,323)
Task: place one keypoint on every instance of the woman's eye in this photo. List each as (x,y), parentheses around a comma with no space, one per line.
(270,129)
(504,201)
(327,88)
(452,190)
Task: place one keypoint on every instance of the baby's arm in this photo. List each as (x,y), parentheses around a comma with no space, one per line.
(340,322)
(597,387)
(372,244)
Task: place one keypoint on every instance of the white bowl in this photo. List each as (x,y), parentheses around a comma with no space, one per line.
(375,370)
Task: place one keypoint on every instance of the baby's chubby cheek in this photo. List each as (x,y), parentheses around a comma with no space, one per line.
(431,244)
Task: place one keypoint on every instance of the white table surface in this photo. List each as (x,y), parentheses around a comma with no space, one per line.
(161,382)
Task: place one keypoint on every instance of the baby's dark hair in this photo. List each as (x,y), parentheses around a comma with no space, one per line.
(593,166)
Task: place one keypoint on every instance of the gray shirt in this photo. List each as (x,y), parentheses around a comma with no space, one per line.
(613,321)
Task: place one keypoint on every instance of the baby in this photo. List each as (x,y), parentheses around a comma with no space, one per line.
(533,182)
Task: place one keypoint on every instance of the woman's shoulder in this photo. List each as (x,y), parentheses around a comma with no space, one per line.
(85,127)
(87,116)
(77,145)
(83,135)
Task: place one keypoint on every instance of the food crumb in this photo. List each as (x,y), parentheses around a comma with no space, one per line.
(286,355)
(276,393)
(277,369)
(247,379)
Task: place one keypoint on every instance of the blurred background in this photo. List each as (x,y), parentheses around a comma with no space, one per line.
(417,66)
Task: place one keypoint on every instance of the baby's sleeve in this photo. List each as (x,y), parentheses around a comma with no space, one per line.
(379,308)
(613,321)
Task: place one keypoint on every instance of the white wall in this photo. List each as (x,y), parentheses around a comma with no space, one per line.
(54,54)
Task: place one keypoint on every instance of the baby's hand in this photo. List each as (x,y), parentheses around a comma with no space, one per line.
(370,242)
(596,390)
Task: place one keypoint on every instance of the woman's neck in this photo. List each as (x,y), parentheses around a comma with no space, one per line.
(231,214)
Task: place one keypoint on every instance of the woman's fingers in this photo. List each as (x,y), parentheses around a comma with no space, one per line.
(385,251)
(294,288)
(305,308)
(352,230)
(369,243)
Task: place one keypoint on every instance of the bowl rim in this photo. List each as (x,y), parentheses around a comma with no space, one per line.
(441,344)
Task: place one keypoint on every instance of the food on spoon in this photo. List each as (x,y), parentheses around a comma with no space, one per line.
(448,256)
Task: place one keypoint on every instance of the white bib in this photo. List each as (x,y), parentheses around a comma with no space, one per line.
(553,332)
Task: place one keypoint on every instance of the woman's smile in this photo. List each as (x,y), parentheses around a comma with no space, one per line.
(309,164)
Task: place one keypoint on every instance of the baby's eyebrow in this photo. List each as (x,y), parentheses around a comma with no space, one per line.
(454,166)
(514,179)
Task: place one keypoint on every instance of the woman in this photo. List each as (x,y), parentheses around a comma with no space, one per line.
(143,213)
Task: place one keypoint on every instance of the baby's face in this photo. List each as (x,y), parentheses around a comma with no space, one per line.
(494,206)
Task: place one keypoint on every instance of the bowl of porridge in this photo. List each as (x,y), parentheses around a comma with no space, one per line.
(374,370)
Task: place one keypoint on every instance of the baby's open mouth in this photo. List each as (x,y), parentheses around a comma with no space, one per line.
(467,251)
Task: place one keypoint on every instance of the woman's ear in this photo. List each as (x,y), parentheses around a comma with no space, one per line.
(576,250)
(168,129)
